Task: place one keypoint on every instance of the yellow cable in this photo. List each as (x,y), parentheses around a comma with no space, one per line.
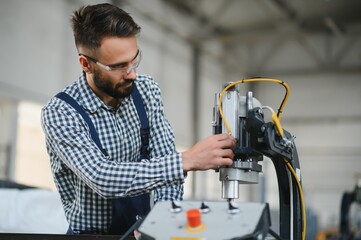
(277,124)
(289,166)
(251,80)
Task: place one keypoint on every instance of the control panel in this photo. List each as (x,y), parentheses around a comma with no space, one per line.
(195,220)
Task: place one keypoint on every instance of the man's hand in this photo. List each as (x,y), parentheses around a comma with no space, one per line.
(210,153)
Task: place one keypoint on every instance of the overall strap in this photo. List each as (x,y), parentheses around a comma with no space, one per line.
(93,133)
(125,210)
(144,124)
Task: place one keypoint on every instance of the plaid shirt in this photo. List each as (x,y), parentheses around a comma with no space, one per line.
(86,179)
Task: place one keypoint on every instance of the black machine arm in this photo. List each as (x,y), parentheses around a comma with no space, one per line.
(265,139)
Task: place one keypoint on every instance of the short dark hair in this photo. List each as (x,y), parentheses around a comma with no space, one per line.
(94,22)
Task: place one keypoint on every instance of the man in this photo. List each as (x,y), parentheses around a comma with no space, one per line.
(98,180)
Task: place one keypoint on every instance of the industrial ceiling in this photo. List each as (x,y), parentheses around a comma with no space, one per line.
(327,31)
(233,20)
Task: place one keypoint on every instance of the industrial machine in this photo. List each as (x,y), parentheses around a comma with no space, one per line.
(243,118)
(349,198)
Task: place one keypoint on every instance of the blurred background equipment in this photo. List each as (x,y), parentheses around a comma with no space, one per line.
(349,198)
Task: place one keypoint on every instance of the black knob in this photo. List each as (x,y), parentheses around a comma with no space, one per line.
(176,207)
(232,207)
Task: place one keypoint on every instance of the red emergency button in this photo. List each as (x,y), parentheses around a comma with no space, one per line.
(194,221)
(194,218)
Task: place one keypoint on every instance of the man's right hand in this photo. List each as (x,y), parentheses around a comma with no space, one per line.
(210,153)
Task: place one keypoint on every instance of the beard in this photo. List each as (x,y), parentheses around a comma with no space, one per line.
(118,91)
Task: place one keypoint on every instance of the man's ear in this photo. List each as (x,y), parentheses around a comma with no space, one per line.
(84,63)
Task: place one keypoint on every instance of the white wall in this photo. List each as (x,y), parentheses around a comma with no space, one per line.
(32,43)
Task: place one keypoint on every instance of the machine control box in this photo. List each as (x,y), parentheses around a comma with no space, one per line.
(195,220)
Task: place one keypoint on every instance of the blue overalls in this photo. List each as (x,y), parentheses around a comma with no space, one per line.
(125,210)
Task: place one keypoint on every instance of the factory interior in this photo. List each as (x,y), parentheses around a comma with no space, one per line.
(193,49)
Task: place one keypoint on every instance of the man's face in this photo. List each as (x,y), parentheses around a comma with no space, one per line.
(112,70)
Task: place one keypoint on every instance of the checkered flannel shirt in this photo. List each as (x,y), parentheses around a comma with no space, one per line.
(86,179)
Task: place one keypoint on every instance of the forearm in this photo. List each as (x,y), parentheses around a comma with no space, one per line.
(112,179)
